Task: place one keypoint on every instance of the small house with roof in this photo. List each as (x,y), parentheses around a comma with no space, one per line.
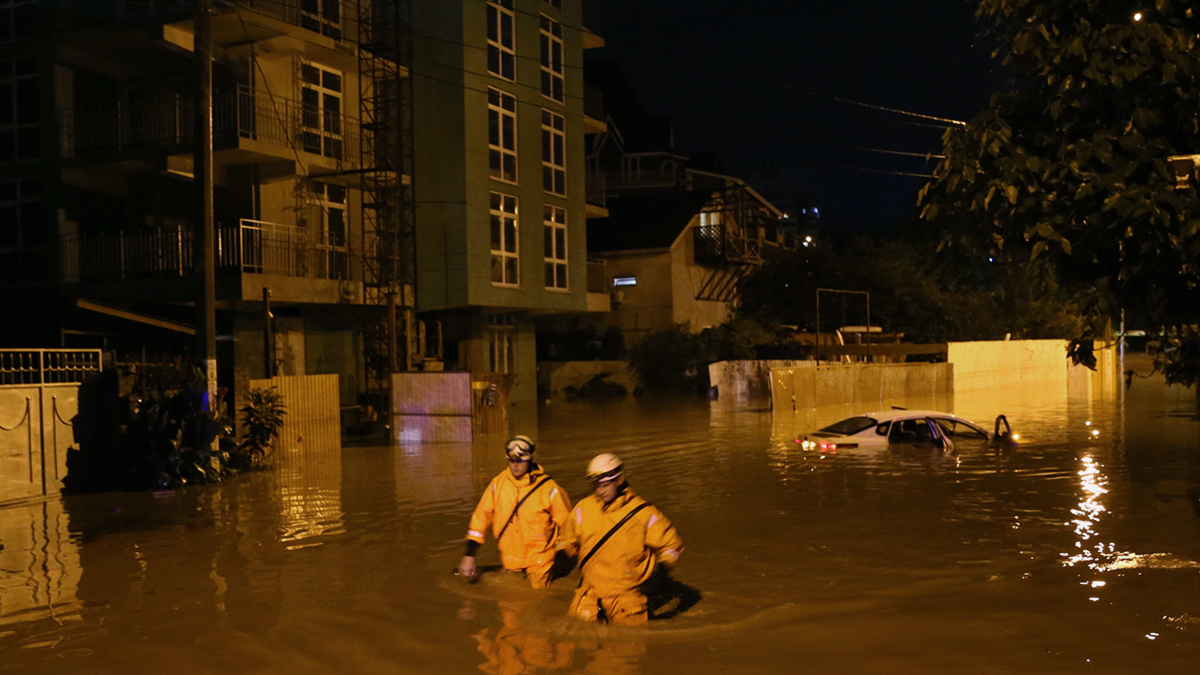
(677,257)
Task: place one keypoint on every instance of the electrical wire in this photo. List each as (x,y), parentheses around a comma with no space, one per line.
(894,173)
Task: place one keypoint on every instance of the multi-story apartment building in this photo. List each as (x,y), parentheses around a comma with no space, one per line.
(309,167)
(426,153)
(501,188)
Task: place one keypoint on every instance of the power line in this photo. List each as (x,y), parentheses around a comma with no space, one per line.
(894,173)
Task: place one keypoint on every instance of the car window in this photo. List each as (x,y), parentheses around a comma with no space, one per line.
(903,431)
(960,429)
(850,425)
(882,429)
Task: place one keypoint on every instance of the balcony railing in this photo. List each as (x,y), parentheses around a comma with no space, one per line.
(593,101)
(166,124)
(593,17)
(717,244)
(253,247)
(596,190)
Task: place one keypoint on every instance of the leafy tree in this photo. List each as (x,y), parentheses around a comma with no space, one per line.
(1069,167)
(915,290)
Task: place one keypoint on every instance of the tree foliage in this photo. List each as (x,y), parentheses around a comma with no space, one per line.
(1069,167)
(915,290)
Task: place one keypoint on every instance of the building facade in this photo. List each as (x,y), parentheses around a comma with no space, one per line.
(501,188)
(403,181)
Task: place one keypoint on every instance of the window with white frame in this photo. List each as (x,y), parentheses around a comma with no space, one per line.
(505,263)
(555,241)
(502,135)
(20,110)
(554,153)
(501,34)
(18,18)
(333,258)
(322,16)
(552,60)
(502,346)
(321,110)
(23,245)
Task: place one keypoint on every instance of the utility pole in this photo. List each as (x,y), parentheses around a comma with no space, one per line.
(203,257)
(268,337)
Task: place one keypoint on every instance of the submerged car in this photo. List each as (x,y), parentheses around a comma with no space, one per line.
(903,427)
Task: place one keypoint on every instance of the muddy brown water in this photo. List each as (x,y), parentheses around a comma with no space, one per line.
(1079,552)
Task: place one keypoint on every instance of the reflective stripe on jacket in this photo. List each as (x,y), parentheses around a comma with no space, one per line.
(629,557)
(531,538)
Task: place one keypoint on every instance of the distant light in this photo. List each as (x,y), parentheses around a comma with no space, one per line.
(808,238)
(1137,16)
(803,210)
(991,259)
(806,243)
(1095,432)
(624,281)
(816,210)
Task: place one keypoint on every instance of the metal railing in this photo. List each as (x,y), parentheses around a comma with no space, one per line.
(593,101)
(596,190)
(719,244)
(252,246)
(593,17)
(166,124)
(47,366)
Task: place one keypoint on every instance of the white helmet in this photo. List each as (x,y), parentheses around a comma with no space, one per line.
(519,448)
(606,466)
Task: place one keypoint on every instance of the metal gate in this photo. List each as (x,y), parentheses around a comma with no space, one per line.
(39,398)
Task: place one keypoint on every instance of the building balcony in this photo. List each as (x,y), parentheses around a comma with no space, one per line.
(597,285)
(595,196)
(249,127)
(593,110)
(718,245)
(593,25)
(298,266)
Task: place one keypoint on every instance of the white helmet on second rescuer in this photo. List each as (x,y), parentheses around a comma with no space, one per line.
(604,466)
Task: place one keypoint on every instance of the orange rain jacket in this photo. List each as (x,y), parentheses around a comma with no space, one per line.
(628,558)
(530,539)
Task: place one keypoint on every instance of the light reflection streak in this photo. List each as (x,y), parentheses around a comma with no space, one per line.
(1093,485)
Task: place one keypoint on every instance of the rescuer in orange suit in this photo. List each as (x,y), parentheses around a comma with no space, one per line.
(525,509)
(623,540)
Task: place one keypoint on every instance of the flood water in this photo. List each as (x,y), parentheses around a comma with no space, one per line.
(1079,552)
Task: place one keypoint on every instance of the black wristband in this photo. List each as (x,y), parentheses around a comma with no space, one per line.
(472,546)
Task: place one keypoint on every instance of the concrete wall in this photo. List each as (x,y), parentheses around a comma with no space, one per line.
(746,382)
(992,364)
(686,281)
(431,407)
(881,385)
(642,308)
(555,376)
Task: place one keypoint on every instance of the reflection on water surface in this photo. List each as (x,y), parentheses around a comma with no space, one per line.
(1075,552)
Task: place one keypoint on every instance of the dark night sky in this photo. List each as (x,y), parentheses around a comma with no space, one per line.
(733,77)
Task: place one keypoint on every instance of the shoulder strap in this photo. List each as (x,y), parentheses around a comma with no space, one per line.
(611,532)
(513,515)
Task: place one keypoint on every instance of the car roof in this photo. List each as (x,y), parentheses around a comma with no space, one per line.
(893,414)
